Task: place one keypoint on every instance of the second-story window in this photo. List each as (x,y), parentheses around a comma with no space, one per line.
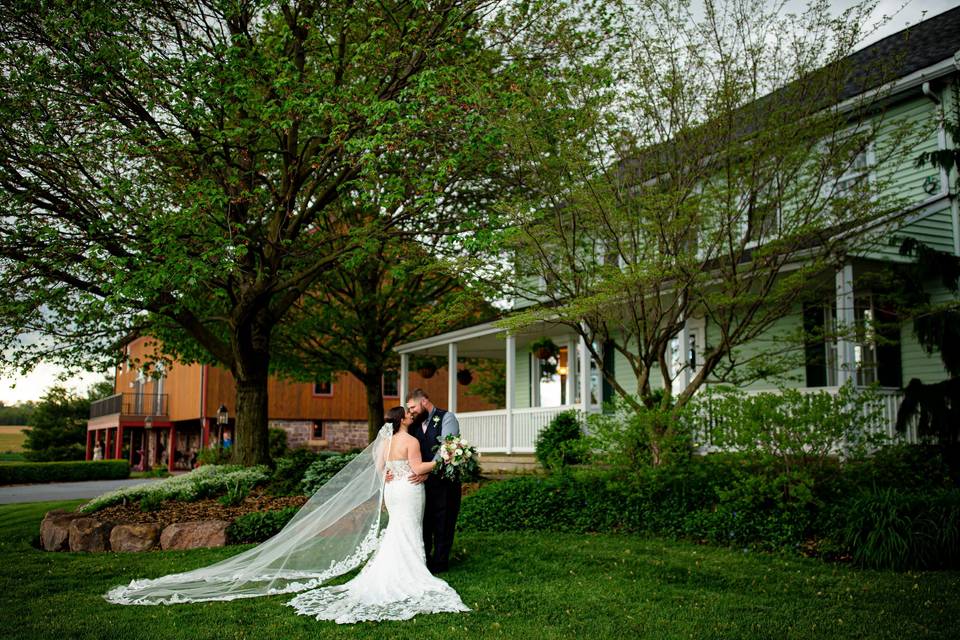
(324,388)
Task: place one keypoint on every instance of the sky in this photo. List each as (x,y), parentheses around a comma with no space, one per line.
(904,13)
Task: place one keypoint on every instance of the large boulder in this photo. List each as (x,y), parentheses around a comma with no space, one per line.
(90,534)
(193,535)
(55,529)
(134,537)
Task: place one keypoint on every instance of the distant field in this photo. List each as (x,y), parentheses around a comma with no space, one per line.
(11,438)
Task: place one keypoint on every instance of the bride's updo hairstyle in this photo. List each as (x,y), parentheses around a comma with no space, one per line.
(395,417)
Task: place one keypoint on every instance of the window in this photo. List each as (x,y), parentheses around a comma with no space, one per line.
(877,348)
(324,388)
(820,349)
(876,345)
(318,431)
(854,172)
(758,213)
(391,384)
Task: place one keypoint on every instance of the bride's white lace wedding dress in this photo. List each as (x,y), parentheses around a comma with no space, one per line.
(395,584)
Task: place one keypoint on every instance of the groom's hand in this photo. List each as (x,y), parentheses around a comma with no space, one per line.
(389,475)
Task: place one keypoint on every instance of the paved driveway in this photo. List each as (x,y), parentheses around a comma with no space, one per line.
(10,494)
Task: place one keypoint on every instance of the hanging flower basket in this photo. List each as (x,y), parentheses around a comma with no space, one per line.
(544,348)
(464,377)
(424,365)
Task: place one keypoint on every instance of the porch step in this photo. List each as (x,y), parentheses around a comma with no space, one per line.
(495,463)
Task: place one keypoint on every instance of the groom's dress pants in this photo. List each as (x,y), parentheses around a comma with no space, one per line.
(439,521)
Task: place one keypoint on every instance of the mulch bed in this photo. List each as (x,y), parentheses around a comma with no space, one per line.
(171,511)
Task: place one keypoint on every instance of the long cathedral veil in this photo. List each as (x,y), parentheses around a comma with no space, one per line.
(334,532)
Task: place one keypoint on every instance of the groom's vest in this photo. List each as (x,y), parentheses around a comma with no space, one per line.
(431,438)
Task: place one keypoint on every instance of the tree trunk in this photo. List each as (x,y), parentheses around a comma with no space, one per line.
(375,414)
(251,440)
(251,372)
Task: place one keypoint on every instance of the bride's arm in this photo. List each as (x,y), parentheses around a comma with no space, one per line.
(416,461)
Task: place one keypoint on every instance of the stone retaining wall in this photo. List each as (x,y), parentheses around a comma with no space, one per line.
(72,531)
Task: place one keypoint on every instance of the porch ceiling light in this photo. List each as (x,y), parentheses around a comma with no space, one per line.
(223,417)
(148,422)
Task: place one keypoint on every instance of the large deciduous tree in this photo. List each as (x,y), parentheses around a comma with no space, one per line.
(180,168)
(683,166)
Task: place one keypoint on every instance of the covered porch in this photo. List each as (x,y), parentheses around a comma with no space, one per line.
(533,392)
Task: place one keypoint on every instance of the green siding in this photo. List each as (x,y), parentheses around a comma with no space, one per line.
(915,360)
(935,230)
(782,338)
(626,377)
(897,167)
(521,393)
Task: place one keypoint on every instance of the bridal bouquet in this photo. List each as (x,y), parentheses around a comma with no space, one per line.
(458,460)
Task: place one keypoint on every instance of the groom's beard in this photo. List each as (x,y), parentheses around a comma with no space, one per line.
(420,419)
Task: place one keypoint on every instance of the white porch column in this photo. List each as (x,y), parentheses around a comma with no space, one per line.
(452,377)
(404,374)
(584,377)
(846,357)
(535,377)
(684,345)
(511,376)
(571,391)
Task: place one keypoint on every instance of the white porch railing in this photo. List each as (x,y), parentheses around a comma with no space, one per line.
(890,400)
(487,430)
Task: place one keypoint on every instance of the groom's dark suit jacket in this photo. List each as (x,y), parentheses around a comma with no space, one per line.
(431,438)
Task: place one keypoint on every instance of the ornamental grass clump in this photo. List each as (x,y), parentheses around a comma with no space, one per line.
(205,481)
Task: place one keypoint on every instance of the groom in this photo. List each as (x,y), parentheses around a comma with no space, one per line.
(442,496)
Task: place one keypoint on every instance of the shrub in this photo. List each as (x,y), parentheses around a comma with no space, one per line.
(289,472)
(277,443)
(36,472)
(257,527)
(796,429)
(718,499)
(322,470)
(567,503)
(553,446)
(214,456)
(151,502)
(633,439)
(890,529)
(204,481)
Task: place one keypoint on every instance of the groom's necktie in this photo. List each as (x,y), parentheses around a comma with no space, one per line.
(426,423)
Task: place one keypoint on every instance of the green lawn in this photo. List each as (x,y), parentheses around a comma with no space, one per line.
(519,586)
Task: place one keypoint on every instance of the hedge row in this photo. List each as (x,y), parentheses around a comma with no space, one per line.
(879,527)
(74,471)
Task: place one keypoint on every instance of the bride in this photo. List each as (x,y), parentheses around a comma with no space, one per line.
(333,533)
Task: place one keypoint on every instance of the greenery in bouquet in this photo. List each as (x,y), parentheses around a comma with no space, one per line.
(458,461)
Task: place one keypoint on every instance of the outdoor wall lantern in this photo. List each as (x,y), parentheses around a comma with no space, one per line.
(223,419)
